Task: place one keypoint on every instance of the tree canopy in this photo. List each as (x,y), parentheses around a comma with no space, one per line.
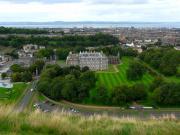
(167,61)
(69,83)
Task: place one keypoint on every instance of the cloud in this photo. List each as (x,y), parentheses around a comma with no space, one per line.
(42,1)
(85,1)
(118,1)
(90,10)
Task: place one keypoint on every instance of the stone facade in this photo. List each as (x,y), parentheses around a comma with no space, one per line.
(72,59)
(114,60)
(93,60)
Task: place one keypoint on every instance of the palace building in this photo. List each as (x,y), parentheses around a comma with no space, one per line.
(94,60)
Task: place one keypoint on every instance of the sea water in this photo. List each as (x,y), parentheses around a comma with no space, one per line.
(91,24)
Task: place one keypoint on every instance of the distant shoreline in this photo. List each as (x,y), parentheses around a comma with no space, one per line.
(89,24)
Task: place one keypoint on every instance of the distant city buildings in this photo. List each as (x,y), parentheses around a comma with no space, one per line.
(29,50)
(26,54)
(4,59)
(94,60)
(144,36)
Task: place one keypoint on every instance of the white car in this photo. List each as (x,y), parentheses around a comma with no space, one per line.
(36,105)
(46,111)
(32,90)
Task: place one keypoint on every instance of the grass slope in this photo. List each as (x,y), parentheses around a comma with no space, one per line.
(113,79)
(33,123)
(11,95)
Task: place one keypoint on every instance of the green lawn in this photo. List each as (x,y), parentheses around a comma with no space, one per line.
(113,79)
(172,79)
(12,95)
(61,63)
(7,49)
(4,93)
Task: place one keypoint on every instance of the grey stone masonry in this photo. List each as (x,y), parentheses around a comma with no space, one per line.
(94,60)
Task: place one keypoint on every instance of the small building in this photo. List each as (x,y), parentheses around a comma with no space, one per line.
(4,59)
(30,48)
(113,60)
(72,59)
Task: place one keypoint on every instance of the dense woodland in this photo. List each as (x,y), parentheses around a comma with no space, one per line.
(5,30)
(62,52)
(64,41)
(166,61)
(70,83)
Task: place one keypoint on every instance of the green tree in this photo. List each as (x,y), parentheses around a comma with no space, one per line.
(135,71)
(56,88)
(26,77)
(167,94)
(45,53)
(84,69)
(3,75)
(16,68)
(16,77)
(102,96)
(139,92)
(88,77)
(119,96)
(44,86)
(158,81)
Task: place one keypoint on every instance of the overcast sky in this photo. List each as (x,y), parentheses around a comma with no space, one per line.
(90,10)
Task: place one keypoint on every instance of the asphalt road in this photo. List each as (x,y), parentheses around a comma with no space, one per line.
(26,99)
(143,114)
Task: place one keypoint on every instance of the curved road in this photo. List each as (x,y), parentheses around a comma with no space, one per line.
(26,98)
(49,106)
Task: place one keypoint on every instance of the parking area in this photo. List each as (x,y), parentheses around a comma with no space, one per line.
(47,106)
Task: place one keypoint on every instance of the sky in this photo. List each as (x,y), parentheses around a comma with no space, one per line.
(90,10)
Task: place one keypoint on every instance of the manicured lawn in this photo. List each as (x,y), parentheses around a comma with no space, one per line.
(111,69)
(113,79)
(173,79)
(12,95)
(61,63)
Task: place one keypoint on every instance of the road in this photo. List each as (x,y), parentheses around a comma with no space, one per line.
(26,98)
(48,106)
